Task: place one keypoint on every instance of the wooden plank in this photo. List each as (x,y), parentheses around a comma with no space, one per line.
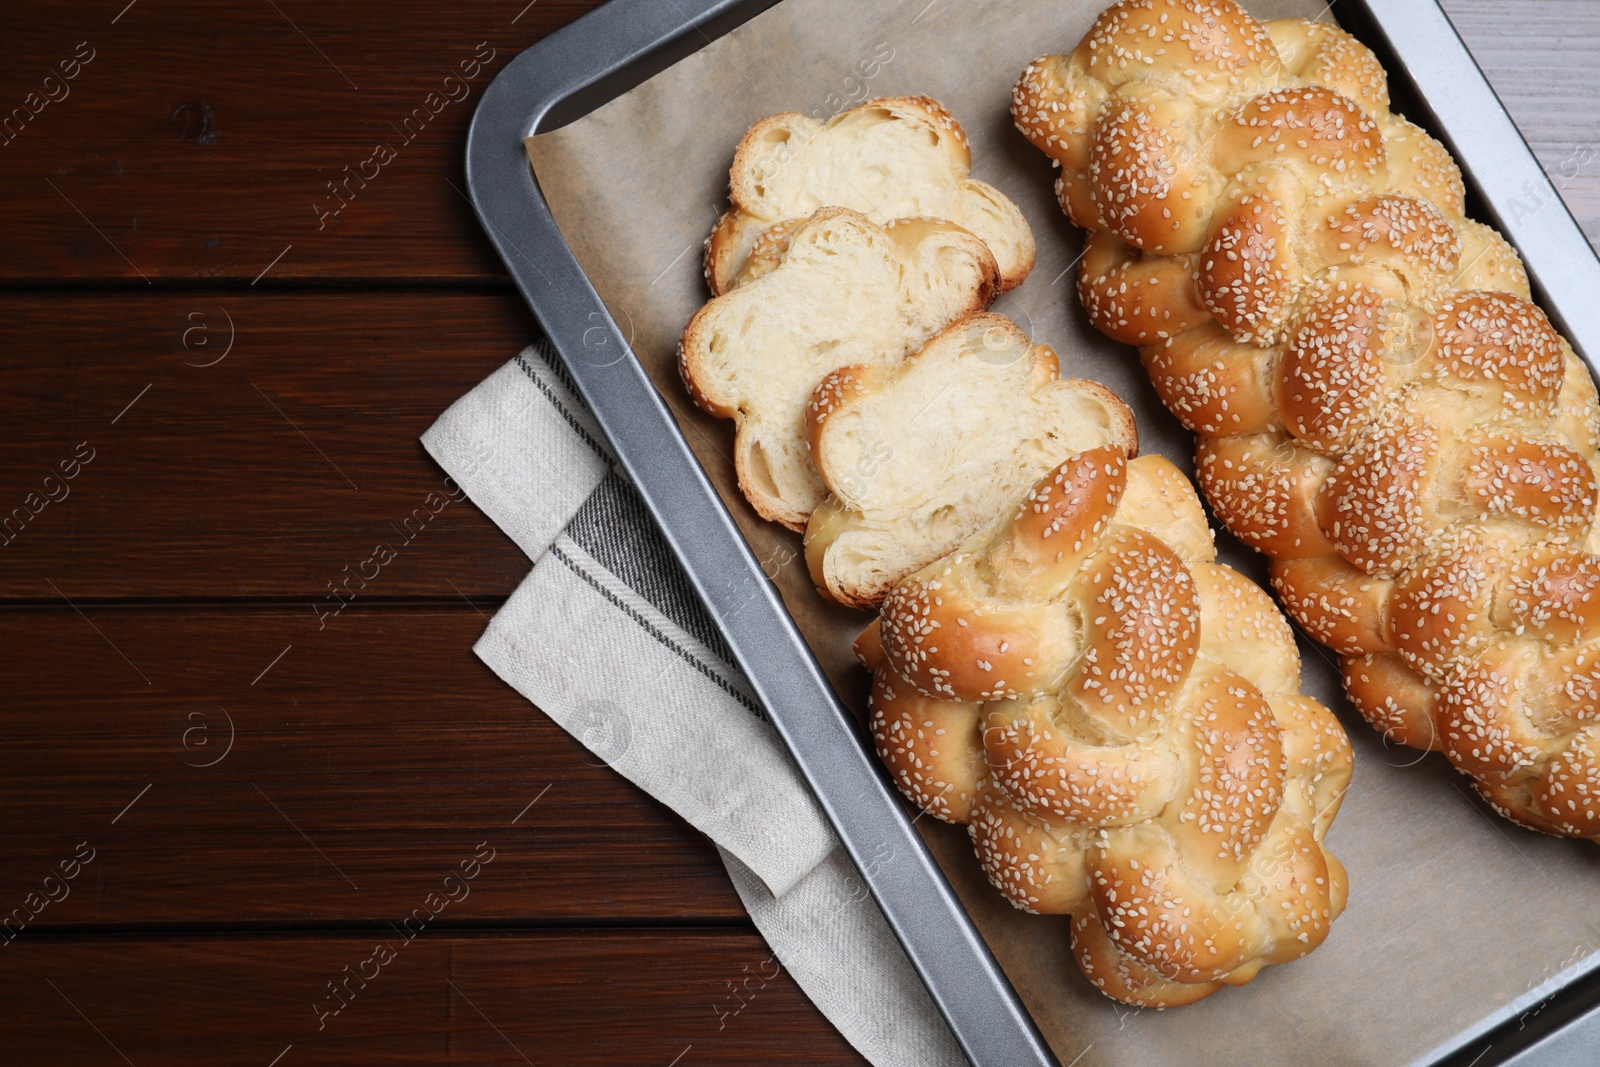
(369,760)
(645,997)
(265,474)
(199,140)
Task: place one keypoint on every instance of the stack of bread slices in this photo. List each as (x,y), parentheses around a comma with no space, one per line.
(1059,663)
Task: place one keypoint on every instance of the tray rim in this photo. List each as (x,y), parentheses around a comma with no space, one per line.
(620,36)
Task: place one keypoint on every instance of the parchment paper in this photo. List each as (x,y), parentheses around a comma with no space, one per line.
(1453,913)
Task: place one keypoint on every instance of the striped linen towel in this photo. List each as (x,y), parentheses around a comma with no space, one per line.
(608,638)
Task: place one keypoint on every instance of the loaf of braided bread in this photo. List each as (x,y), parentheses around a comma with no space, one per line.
(1116,719)
(1381,408)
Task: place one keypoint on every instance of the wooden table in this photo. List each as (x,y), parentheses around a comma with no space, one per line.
(219,352)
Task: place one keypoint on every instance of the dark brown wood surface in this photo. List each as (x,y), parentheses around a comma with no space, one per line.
(177,197)
(200,140)
(364,765)
(301,443)
(605,997)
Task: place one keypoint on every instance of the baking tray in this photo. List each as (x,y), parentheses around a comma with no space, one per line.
(624,42)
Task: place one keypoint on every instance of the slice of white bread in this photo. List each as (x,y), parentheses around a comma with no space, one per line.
(921,455)
(893,158)
(846,291)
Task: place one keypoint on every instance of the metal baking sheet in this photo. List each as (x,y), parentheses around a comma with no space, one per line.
(580,68)
(961,974)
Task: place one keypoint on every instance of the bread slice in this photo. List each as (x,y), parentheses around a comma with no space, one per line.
(923,454)
(893,158)
(846,291)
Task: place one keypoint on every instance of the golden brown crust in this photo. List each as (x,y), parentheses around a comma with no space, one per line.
(1165,920)
(941,630)
(1331,378)
(1434,608)
(1409,237)
(1397,701)
(1374,505)
(1310,128)
(1125,977)
(1545,484)
(1143,173)
(1135,298)
(1338,604)
(1316,53)
(834,393)
(1499,342)
(1209,43)
(1425,470)
(1264,489)
(1247,267)
(1483,722)
(1063,516)
(1141,633)
(1238,757)
(1212,383)
(1038,865)
(1052,776)
(718,256)
(934,748)
(767,251)
(1568,795)
(1552,593)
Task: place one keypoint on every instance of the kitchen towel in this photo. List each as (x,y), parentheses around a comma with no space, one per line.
(609,639)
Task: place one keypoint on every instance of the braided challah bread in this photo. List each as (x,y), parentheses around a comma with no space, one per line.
(1382,410)
(919,456)
(841,291)
(890,158)
(1115,718)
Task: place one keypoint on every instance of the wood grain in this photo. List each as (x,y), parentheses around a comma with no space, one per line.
(301,444)
(647,997)
(368,761)
(200,139)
